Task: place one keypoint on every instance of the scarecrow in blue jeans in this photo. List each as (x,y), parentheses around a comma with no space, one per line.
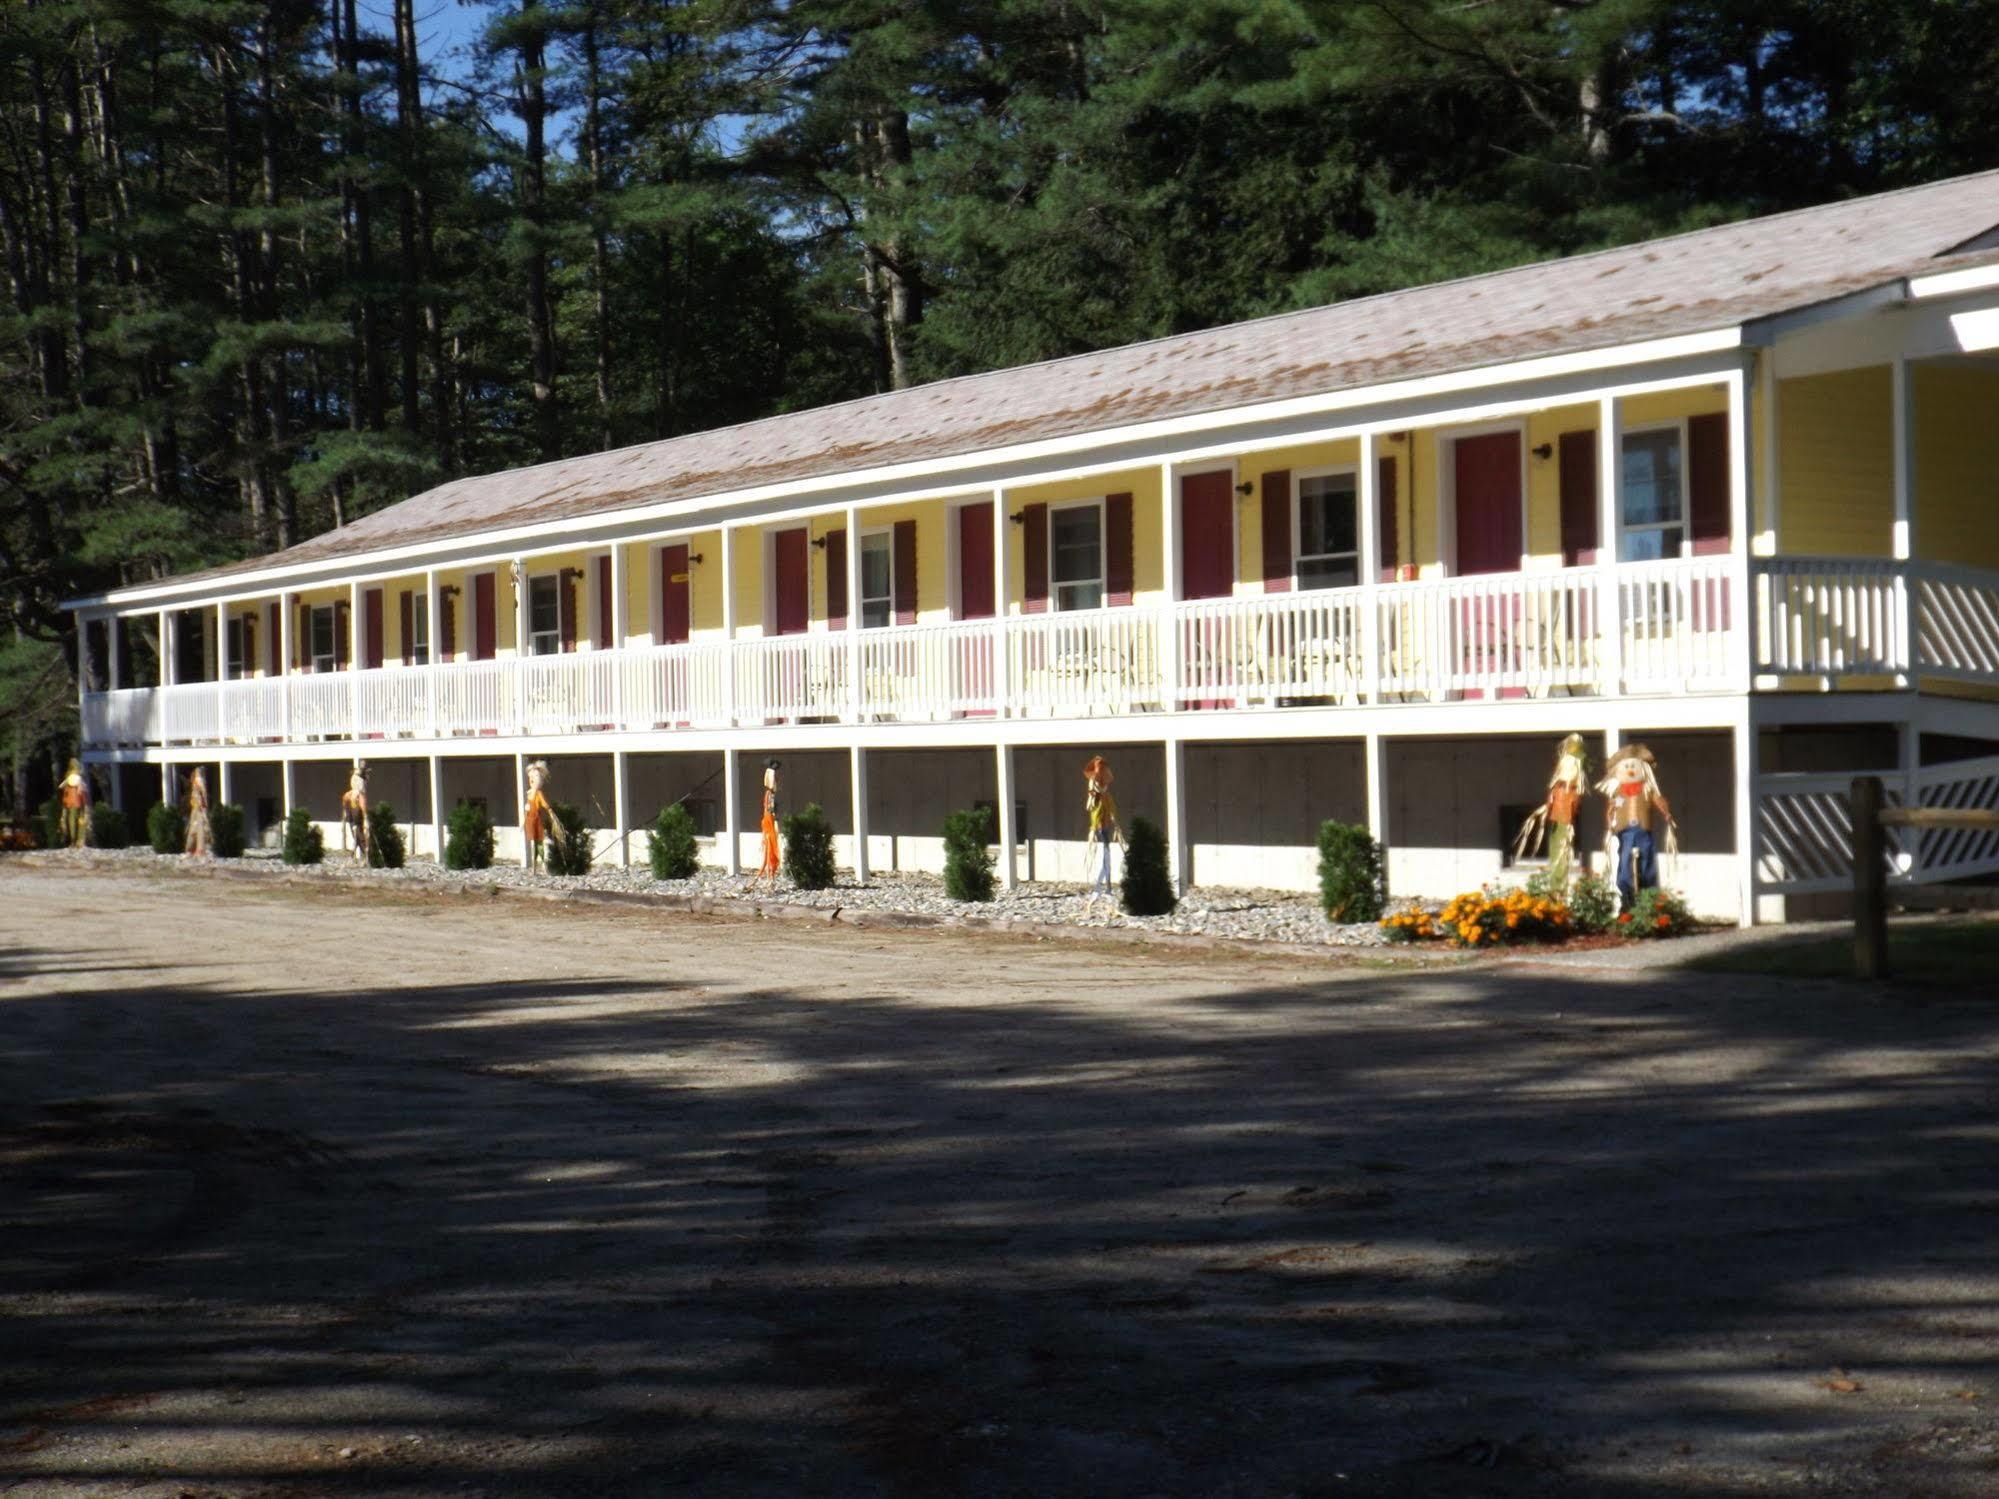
(1632,788)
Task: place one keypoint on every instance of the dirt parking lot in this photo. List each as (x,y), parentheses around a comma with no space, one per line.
(313,1192)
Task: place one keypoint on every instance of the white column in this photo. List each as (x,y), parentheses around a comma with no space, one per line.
(1169,654)
(1740,644)
(286,608)
(221,675)
(1367,497)
(857,697)
(729,668)
(1374,751)
(287,786)
(354,638)
(1009,835)
(618,634)
(1910,757)
(166,648)
(1610,540)
(225,782)
(1002,690)
(520,800)
(621,807)
(433,626)
(83,670)
(1902,539)
(1770,483)
(114,631)
(517,572)
(436,768)
(1176,814)
(858,763)
(1744,736)
(166,783)
(732,830)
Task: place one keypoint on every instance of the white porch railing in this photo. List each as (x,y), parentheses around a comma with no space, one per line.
(1654,628)
(1804,827)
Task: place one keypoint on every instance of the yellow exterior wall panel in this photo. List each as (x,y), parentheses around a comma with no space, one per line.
(1836,449)
(1957,464)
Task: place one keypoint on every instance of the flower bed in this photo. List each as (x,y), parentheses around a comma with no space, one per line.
(1496,917)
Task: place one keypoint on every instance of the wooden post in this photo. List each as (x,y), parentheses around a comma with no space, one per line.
(1870,894)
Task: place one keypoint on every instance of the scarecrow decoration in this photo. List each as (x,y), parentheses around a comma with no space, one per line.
(768,869)
(74,794)
(538,819)
(1553,823)
(198,832)
(354,811)
(1100,807)
(1632,787)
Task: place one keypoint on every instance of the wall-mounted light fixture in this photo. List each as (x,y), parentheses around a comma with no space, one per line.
(1019,517)
(1245,487)
(695,558)
(818,543)
(1545,451)
(449,591)
(1398,437)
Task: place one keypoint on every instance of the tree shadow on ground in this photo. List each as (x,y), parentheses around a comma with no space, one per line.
(1409,1233)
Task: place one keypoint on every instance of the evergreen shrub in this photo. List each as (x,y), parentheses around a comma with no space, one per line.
(468,838)
(808,848)
(968,856)
(48,823)
(108,828)
(1352,886)
(304,843)
(1147,890)
(672,845)
(385,839)
(166,829)
(567,852)
(225,830)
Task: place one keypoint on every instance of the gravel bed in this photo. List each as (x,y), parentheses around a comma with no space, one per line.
(1251,915)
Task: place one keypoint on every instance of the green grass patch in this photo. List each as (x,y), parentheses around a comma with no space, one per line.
(1957,950)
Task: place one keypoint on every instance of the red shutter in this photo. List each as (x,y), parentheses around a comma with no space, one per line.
(274,644)
(905,572)
(1034,559)
(565,607)
(1386,511)
(406,619)
(1579,498)
(1277,531)
(605,618)
(1707,483)
(343,633)
(372,629)
(485,620)
(1117,548)
(836,579)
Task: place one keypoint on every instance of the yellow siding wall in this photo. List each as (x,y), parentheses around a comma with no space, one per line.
(749,581)
(1147,528)
(1957,464)
(1836,450)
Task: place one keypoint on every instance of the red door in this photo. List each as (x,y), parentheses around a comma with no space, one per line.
(485,631)
(372,642)
(1488,490)
(1207,536)
(676,615)
(975,561)
(789,613)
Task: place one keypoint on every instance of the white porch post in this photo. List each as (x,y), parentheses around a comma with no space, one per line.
(857,696)
(225,782)
(621,806)
(1770,483)
(729,674)
(1169,654)
(732,831)
(114,632)
(354,637)
(1374,750)
(286,655)
(1176,814)
(1009,835)
(858,768)
(436,769)
(166,648)
(520,803)
(1743,732)
(517,570)
(221,675)
(166,782)
(287,785)
(1002,684)
(432,631)
(1902,539)
(83,673)
(1610,540)
(1366,494)
(619,612)
(1740,643)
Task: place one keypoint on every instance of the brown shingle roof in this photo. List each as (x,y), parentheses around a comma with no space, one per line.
(1712,278)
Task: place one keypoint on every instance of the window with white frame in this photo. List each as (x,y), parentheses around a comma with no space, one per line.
(237,667)
(322,641)
(1654,495)
(877,579)
(544,615)
(419,652)
(1076,555)
(1328,532)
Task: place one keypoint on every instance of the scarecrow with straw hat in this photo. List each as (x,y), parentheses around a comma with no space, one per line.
(1554,821)
(538,819)
(1632,788)
(74,794)
(354,810)
(1100,807)
(767,825)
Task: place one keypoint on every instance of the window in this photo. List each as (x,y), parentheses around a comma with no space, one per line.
(236,667)
(1076,556)
(877,579)
(321,643)
(1654,502)
(544,615)
(1328,542)
(419,651)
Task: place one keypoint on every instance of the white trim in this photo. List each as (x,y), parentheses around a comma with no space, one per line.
(1103,553)
(1296,506)
(1953,283)
(859,571)
(1678,427)
(1446,440)
(683,513)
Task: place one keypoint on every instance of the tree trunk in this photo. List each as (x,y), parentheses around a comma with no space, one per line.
(599,248)
(533,111)
(409,126)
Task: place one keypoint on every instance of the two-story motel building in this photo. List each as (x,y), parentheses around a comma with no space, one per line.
(1735,493)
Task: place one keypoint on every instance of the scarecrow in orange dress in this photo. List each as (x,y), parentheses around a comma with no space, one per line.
(538,819)
(1632,788)
(198,834)
(1554,821)
(1100,807)
(354,811)
(769,869)
(74,794)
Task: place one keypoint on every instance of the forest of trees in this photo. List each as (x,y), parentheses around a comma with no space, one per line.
(271,264)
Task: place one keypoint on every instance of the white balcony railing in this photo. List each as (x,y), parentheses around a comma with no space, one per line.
(1652,628)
